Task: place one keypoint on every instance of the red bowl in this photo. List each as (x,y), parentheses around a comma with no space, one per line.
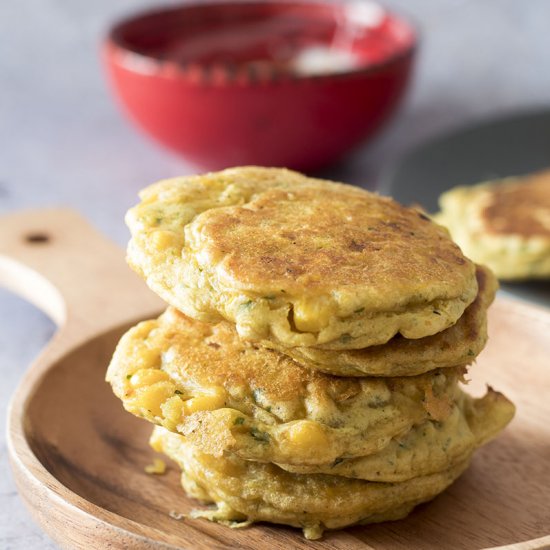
(219,82)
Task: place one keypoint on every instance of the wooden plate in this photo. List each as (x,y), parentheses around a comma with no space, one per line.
(78,457)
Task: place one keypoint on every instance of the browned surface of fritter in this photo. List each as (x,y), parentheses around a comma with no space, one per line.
(521,207)
(455,346)
(213,355)
(320,239)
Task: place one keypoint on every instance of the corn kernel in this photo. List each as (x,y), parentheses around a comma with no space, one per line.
(158,467)
(311,315)
(209,401)
(172,410)
(156,442)
(148,358)
(147,377)
(142,330)
(161,240)
(152,397)
(307,435)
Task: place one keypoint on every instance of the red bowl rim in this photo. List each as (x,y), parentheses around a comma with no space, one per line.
(153,66)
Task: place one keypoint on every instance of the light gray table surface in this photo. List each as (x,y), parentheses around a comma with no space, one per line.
(64,142)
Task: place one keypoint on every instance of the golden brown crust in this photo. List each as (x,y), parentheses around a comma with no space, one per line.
(456,346)
(203,355)
(302,261)
(504,224)
(203,381)
(429,447)
(329,237)
(250,491)
(521,207)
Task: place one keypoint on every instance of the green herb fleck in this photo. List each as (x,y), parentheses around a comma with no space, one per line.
(259,436)
(377,401)
(178,392)
(268,408)
(360,310)
(270,297)
(128,376)
(339,460)
(402,445)
(436,312)
(239,421)
(158,220)
(246,305)
(471,353)
(345,338)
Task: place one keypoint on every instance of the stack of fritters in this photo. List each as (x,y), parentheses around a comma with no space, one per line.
(307,369)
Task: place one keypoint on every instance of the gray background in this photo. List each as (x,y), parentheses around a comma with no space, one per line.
(63,141)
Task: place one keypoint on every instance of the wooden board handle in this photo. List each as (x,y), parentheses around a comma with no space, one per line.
(57,261)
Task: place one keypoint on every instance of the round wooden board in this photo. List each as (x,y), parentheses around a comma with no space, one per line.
(79,458)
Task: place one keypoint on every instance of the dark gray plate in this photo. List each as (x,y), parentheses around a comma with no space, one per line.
(497,148)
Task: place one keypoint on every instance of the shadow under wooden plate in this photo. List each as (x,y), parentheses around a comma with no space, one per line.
(79,458)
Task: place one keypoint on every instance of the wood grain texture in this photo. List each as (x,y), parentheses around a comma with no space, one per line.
(78,457)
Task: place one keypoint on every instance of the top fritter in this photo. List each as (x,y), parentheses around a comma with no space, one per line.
(303,261)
